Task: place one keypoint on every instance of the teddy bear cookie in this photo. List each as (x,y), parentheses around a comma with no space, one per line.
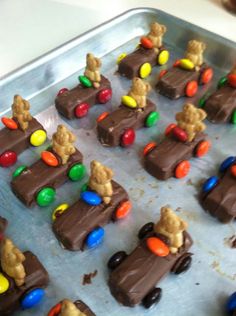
(170,157)
(20,132)
(62,161)
(22,277)
(221,104)
(136,111)
(68,308)
(149,53)
(93,88)
(163,248)
(101,201)
(187,74)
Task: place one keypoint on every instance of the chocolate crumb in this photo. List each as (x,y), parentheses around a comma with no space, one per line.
(87,133)
(189,182)
(231,241)
(87,278)
(197,283)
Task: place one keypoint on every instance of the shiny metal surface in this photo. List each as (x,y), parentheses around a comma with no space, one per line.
(203,290)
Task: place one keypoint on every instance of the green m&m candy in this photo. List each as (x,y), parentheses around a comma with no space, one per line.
(46,196)
(85,81)
(77,172)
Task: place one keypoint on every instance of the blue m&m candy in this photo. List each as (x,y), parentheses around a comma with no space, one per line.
(231,304)
(209,184)
(227,163)
(95,237)
(32,298)
(91,198)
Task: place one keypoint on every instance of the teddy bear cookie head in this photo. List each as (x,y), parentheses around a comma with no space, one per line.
(170,222)
(100,173)
(157,29)
(68,308)
(93,63)
(196,47)
(140,87)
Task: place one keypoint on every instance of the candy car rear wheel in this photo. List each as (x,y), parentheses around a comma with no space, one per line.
(183,264)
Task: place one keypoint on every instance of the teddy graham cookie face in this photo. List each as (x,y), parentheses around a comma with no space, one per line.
(20,132)
(136,110)
(170,157)
(102,200)
(150,52)
(37,183)
(187,74)
(163,248)
(93,89)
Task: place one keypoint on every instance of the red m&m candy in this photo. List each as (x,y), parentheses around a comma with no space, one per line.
(8,159)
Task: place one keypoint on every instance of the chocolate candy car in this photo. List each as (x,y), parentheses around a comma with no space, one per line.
(93,89)
(182,141)
(118,127)
(218,196)
(170,158)
(66,307)
(134,277)
(186,74)
(81,224)
(19,133)
(178,82)
(149,53)
(38,182)
(28,294)
(221,105)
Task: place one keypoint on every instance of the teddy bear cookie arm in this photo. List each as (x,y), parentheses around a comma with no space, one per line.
(68,308)
(171,226)
(11,261)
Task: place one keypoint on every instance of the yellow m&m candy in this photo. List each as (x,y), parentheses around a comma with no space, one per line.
(59,210)
(129,101)
(4,284)
(38,138)
(186,64)
(145,70)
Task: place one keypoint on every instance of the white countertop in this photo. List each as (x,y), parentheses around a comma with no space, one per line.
(30,28)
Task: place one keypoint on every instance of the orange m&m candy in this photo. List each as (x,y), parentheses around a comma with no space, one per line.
(158,247)
(49,158)
(9,123)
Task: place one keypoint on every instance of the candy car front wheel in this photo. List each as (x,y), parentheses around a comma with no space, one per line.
(152,297)
(116,260)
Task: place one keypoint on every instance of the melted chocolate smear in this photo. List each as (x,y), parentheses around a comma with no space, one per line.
(87,279)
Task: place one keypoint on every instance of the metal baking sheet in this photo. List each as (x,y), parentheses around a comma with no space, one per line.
(203,290)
